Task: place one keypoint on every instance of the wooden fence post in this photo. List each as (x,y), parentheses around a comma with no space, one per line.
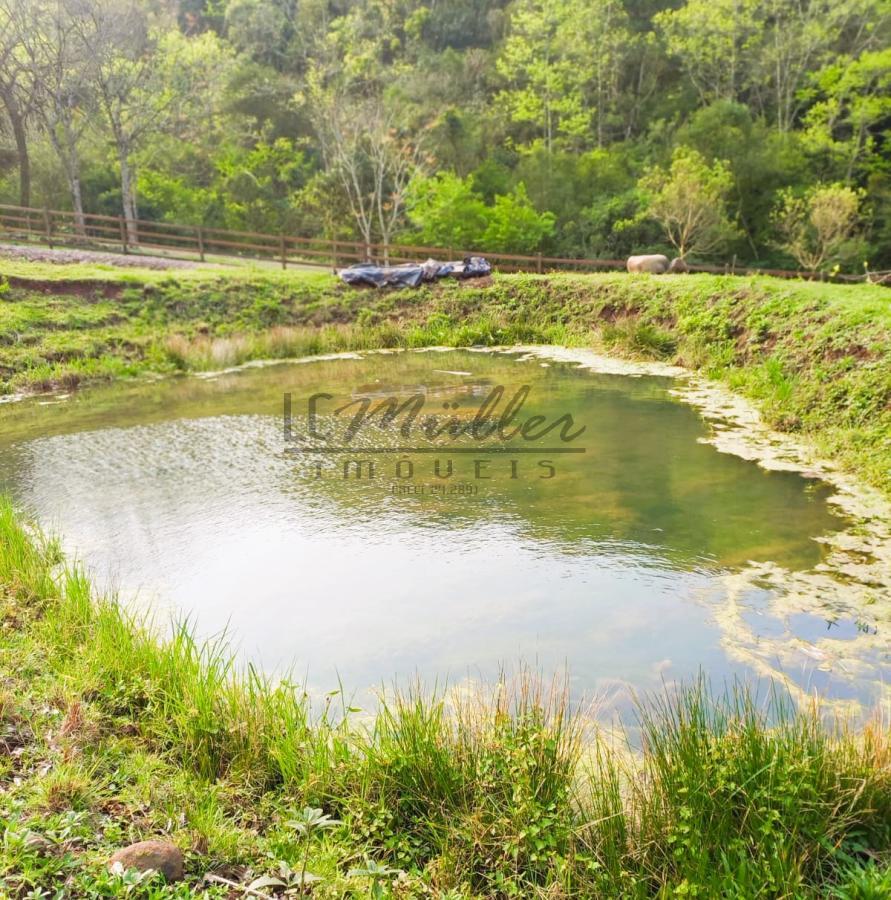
(47,227)
(123,230)
(281,247)
(538,263)
(200,231)
(334,250)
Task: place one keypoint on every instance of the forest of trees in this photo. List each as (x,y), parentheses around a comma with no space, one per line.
(759,129)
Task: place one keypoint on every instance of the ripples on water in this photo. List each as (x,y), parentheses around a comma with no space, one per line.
(180,495)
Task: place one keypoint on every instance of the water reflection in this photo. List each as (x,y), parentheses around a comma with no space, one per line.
(181,493)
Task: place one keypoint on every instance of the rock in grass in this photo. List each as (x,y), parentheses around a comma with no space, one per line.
(161,856)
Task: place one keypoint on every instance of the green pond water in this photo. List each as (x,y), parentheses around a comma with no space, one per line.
(614,560)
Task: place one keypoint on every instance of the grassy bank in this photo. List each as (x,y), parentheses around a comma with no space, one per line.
(816,358)
(109,735)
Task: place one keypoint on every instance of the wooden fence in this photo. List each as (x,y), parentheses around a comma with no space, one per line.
(54,227)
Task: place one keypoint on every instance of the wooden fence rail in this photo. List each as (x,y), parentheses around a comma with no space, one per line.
(55,227)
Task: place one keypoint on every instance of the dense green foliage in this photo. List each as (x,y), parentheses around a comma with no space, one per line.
(568,127)
(111,734)
(814,357)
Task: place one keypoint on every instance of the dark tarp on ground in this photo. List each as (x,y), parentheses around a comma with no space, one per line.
(413,274)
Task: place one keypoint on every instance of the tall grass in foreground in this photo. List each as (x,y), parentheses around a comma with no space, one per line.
(499,795)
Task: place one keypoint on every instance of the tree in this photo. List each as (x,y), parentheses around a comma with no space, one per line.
(447,211)
(689,202)
(315,116)
(149,80)
(262,185)
(545,75)
(852,107)
(761,159)
(373,159)
(606,35)
(515,225)
(450,213)
(120,48)
(262,29)
(799,36)
(712,39)
(763,50)
(65,103)
(17,88)
(815,226)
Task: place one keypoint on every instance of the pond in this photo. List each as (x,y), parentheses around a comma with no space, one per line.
(609,539)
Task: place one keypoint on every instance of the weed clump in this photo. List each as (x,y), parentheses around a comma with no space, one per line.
(501,794)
